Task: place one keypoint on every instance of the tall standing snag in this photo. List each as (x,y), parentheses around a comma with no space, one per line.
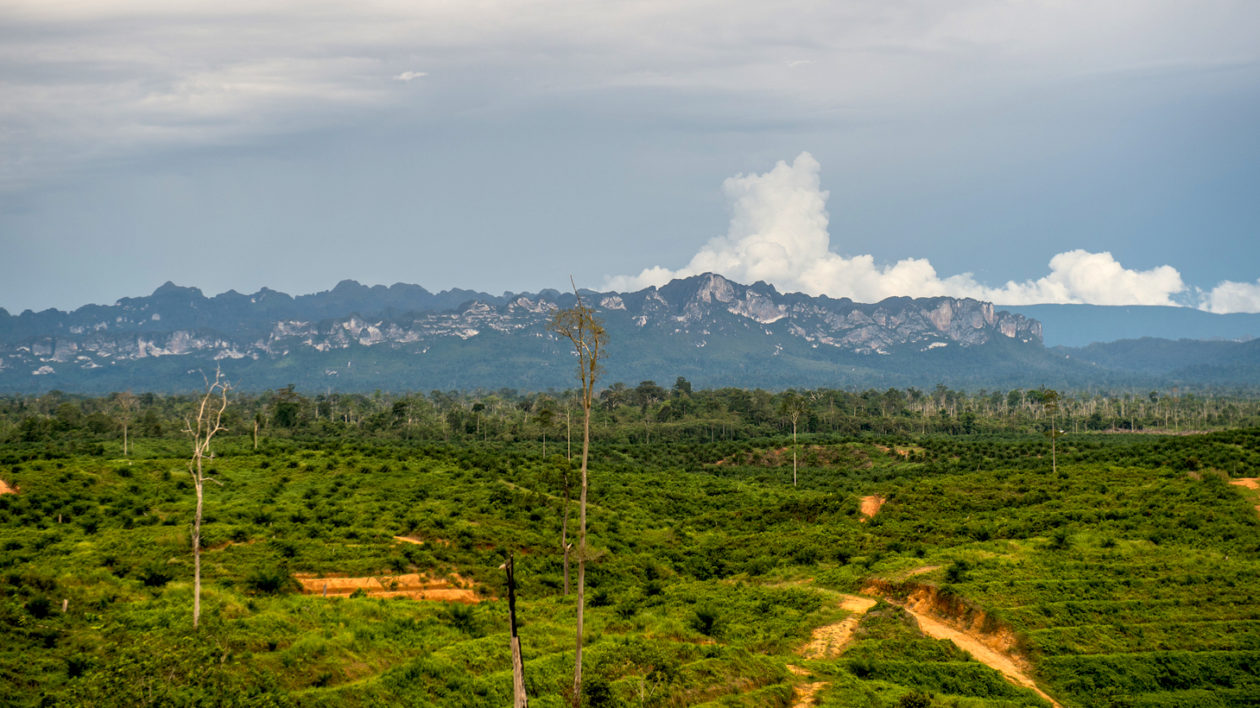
(1050,404)
(202,428)
(793,407)
(126,403)
(519,698)
(581,327)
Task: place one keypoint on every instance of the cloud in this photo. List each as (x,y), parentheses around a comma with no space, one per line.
(778,233)
(409,75)
(1094,278)
(1231,296)
(79,76)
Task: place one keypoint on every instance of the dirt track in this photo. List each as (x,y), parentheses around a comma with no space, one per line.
(982,647)
(804,693)
(6,489)
(412,585)
(921,571)
(420,541)
(827,642)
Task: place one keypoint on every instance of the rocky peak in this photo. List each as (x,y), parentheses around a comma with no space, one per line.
(705,313)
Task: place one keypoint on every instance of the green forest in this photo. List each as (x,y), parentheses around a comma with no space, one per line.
(745,548)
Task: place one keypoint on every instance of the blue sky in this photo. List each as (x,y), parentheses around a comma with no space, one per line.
(1015,151)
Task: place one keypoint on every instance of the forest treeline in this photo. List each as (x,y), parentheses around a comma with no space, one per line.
(644,413)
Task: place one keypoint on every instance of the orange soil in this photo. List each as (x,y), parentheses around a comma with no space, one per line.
(1248,483)
(6,489)
(421,541)
(829,640)
(871,505)
(824,455)
(413,585)
(903,452)
(991,649)
(804,693)
(225,544)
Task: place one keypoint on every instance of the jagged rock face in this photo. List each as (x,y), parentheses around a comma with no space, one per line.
(860,328)
(703,312)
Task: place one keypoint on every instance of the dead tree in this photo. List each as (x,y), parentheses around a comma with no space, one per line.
(793,408)
(127,404)
(202,428)
(519,699)
(580,326)
(565,546)
(1050,404)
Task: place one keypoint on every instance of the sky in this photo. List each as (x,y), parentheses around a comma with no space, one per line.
(1018,152)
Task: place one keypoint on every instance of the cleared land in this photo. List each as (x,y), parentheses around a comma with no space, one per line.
(413,585)
(1129,575)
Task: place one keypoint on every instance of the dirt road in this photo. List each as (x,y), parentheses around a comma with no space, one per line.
(977,648)
(827,641)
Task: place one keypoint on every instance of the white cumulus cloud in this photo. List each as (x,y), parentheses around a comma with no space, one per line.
(778,233)
(411,75)
(1231,296)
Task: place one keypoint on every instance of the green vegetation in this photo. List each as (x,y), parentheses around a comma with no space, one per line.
(1126,574)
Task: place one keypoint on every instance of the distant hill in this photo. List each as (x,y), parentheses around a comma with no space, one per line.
(711,330)
(1185,361)
(1080,325)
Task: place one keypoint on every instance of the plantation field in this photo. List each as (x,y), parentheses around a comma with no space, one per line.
(358,571)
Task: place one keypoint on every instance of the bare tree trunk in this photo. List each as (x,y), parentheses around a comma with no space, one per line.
(794,452)
(568,442)
(519,699)
(127,405)
(580,326)
(208,421)
(564,534)
(581,588)
(196,544)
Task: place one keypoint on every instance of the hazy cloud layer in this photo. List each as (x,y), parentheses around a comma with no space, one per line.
(389,140)
(778,233)
(85,82)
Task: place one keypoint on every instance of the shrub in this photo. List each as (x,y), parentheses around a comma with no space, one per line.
(1059,540)
(957,571)
(39,607)
(915,699)
(155,575)
(76,666)
(705,621)
(269,580)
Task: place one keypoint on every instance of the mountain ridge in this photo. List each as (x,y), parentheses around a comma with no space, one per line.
(1081,325)
(403,337)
